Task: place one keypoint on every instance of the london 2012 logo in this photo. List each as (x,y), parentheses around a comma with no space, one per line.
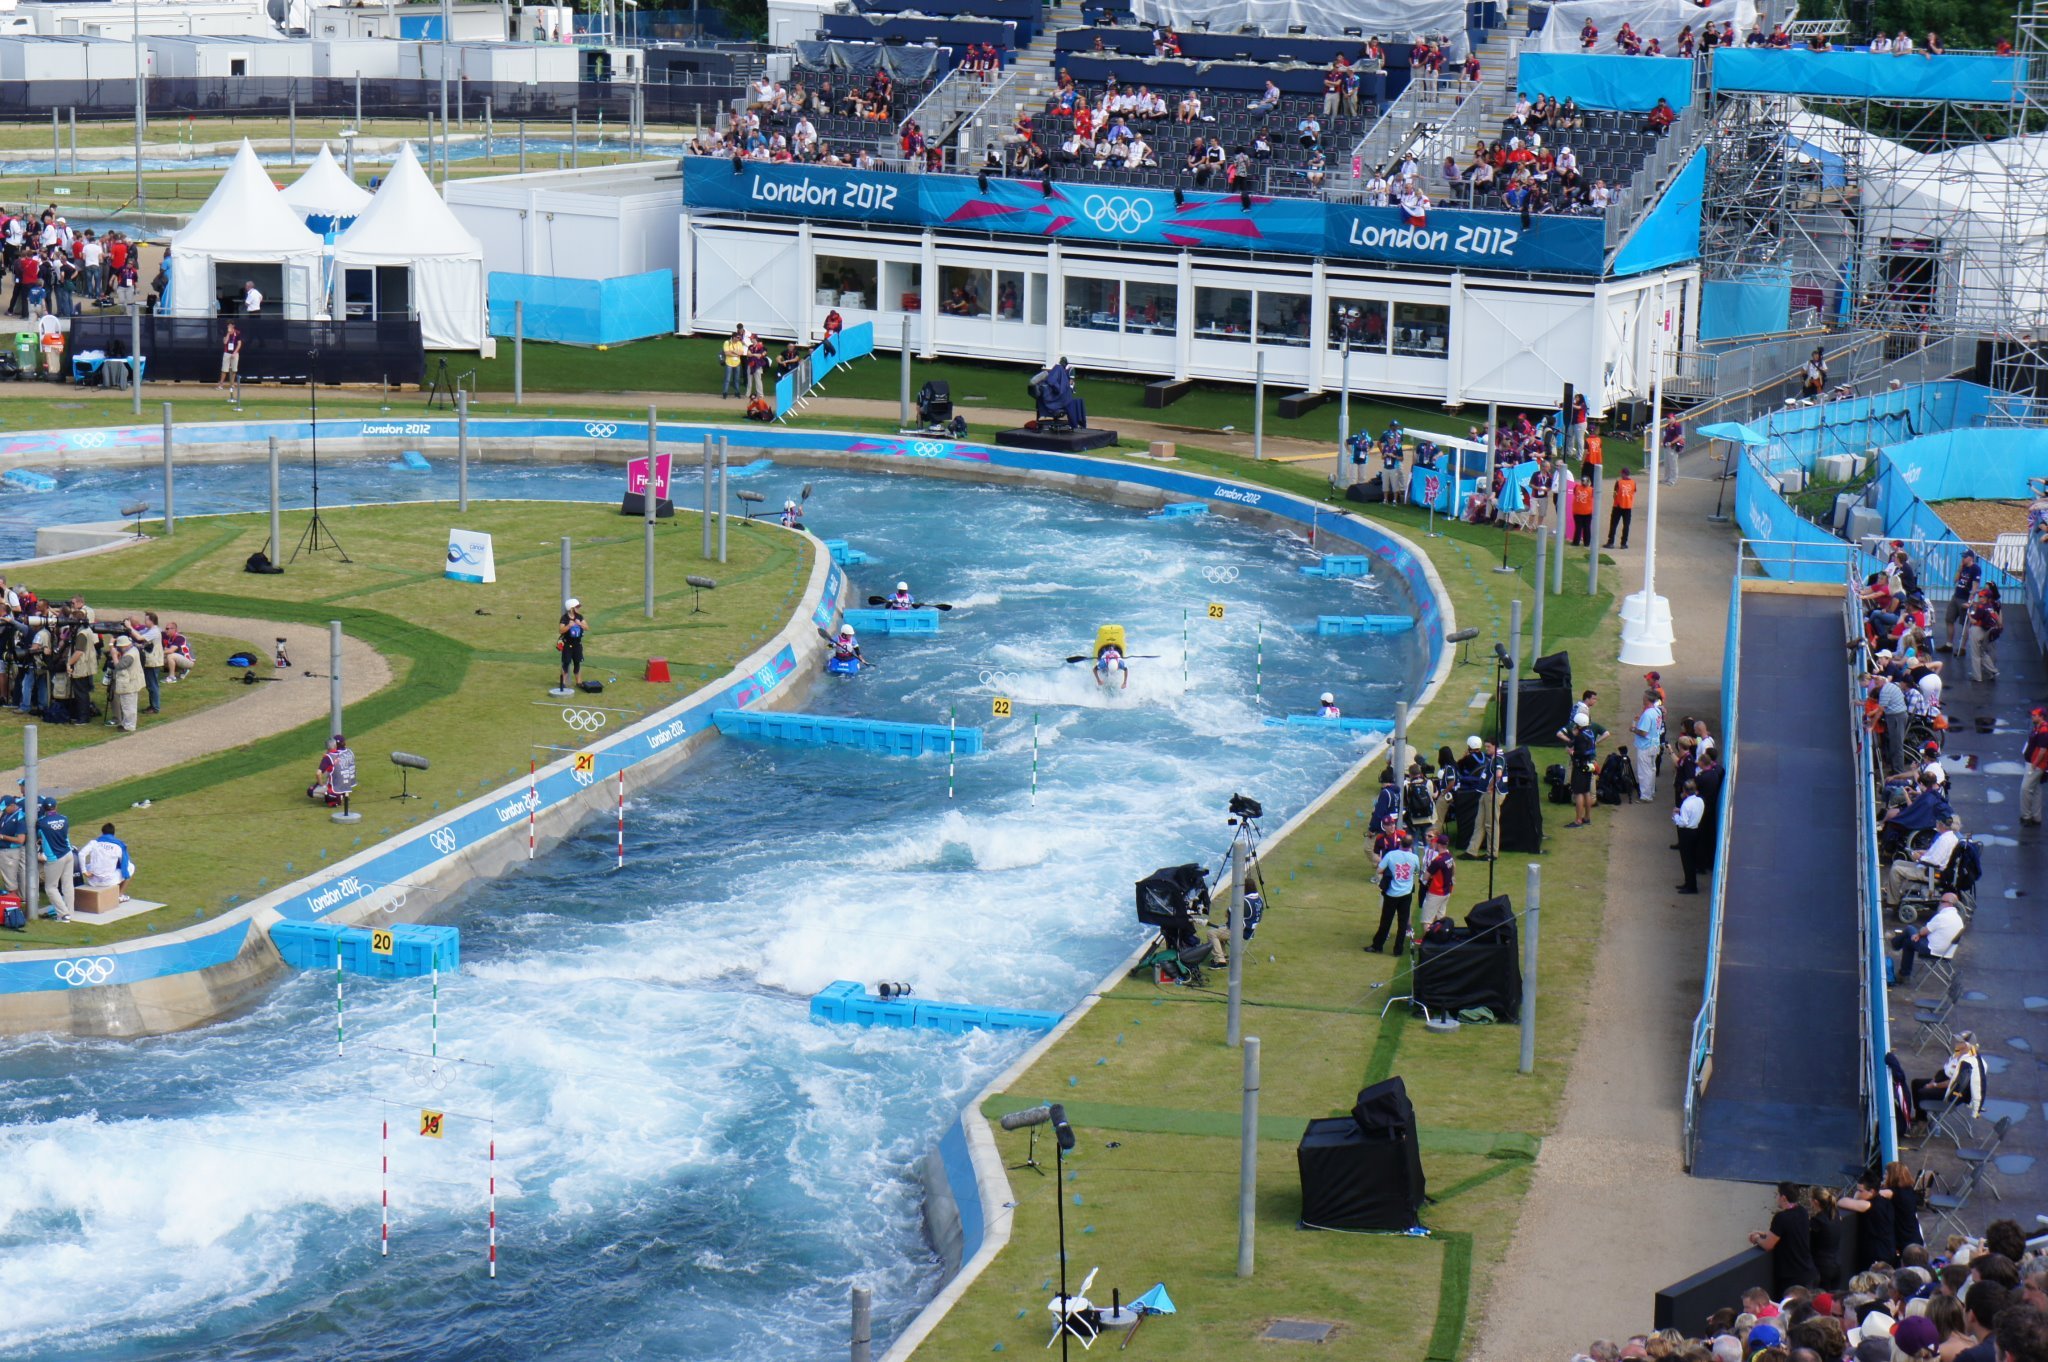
(1115,214)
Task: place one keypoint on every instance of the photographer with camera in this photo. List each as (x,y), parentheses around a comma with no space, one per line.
(126,685)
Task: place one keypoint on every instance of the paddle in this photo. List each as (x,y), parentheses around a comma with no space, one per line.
(864,660)
(1087,657)
(921,605)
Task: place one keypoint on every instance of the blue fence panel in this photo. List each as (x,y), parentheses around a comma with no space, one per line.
(855,342)
(1972,77)
(629,307)
(1606,81)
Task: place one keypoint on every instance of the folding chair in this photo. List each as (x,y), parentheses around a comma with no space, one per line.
(1980,1158)
(1953,1120)
(1933,1014)
(1941,969)
(1948,1208)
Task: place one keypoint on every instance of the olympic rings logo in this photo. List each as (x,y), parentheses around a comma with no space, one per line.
(1000,680)
(584,720)
(89,439)
(396,902)
(582,777)
(85,973)
(443,840)
(927,449)
(1115,213)
(600,430)
(1220,574)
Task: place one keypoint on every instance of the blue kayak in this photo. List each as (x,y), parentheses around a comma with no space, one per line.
(842,666)
(1331,725)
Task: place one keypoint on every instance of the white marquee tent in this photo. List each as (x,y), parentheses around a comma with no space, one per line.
(1982,205)
(325,198)
(245,231)
(406,251)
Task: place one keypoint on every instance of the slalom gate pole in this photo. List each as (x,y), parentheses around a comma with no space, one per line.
(338,1050)
(494,1205)
(1034,760)
(532,806)
(384,1191)
(1183,650)
(1259,665)
(434,1032)
(952,716)
(622,820)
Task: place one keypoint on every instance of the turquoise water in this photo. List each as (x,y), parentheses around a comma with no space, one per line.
(687,1166)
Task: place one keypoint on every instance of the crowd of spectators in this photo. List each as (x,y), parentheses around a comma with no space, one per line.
(59,271)
(61,663)
(1854,1281)
(826,118)
(1700,43)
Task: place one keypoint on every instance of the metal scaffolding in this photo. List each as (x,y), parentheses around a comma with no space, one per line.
(1920,219)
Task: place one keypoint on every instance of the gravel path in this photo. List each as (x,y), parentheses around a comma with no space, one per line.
(257,712)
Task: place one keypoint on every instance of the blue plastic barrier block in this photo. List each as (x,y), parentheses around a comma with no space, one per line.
(750,470)
(845,555)
(893,623)
(412,461)
(1180,510)
(1340,565)
(28,480)
(830,1005)
(955,1019)
(867,735)
(1018,1019)
(1345,625)
(899,1014)
(306,945)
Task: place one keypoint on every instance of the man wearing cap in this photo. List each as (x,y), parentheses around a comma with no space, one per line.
(570,643)
(1891,705)
(1489,787)
(53,844)
(1582,737)
(1648,733)
(127,684)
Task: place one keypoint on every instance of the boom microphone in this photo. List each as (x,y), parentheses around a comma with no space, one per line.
(1462,636)
(1060,1126)
(1030,1116)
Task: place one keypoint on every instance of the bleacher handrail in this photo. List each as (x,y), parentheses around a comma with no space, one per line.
(1699,1066)
(1631,207)
(1881,1130)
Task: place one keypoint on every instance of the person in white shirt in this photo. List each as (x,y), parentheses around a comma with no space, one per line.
(1924,867)
(1881,44)
(1648,732)
(1566,161)
(252,298)
(1140,153)
(1691,809)
(1378,192)
(1601,195)
(1936,937)
(104,862)
(1902,45)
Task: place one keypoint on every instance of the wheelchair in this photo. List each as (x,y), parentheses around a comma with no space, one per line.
(1958,877)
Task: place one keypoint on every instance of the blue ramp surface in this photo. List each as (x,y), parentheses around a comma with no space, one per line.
(1785,1101)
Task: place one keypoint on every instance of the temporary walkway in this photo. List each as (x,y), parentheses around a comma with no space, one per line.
(1785,1098)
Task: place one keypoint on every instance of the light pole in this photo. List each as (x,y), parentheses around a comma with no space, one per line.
(446,21)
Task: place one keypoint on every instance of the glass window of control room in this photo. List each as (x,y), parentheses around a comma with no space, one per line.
(901,289)
(1151,309)
(1223,314)
(1020,297)
(844,281)
(1093,304)
(1363,320)
(965,291)
(1283,318)
(1422,329)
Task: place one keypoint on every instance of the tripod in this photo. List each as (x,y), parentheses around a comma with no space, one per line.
(316,531)
(1245,829)
(1031,1156)
(442,389)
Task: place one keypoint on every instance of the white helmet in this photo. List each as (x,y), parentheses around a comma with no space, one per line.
(571,603)
(903,586)
(1329,699)
(846,631)
(789,505)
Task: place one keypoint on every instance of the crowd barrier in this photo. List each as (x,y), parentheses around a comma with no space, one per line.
(1606,81)
(1699,1066)
(1963,77)
(1882,1137)
(855,342)
(682,99)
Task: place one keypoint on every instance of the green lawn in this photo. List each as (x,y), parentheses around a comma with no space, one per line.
(209,684)
(471,664)
(1153,1093)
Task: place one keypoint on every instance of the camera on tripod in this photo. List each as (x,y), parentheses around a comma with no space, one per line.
(1244,806)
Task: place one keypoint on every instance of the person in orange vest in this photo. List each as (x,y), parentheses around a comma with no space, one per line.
(1583,500)
(1590,470)
(1623,510)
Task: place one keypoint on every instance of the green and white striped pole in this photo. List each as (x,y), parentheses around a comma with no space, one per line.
(952,717)
(1034,759)
(434,1039)
(1184,650)
(1259,665)
(338,1050)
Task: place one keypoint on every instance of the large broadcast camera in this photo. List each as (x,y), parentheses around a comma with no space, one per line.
(1244,806)
(1173,899)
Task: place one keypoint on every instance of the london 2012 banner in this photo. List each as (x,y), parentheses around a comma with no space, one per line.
(1078,210)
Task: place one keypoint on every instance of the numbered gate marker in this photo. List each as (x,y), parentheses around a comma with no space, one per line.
(1215,610)
(430,1124)
(1000,707)
(381,942)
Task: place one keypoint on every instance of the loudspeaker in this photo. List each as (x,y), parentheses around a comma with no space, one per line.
(1555,669)
(1384,1111)
(1543,710)
(635,504)
(1372,489)
(1493,920)
(1521,813)
(1351,1181)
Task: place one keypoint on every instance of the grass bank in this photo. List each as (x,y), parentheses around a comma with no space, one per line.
(471,663)
(1153,1092)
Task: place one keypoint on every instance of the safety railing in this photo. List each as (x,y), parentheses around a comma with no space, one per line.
(1700,1064)
(1415,123)
(996,109)
(1635,199)
(1881,1137)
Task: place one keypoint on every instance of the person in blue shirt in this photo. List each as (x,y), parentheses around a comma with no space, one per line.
(13,834)
(53,834)
(1398,872)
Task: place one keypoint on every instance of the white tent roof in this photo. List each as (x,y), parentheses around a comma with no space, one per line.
(325,190)
(1996,184)
(245,218)
(406,221)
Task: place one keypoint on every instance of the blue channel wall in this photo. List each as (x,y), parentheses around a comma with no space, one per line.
(394,862)
(1606,80)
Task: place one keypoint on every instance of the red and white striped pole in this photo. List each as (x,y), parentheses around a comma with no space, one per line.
(532,806)
(384,1187)
(494,1207)
(622,819)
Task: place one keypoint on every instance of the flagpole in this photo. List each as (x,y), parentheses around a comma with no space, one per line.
(1646,635)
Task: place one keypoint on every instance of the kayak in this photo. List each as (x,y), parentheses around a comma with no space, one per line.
(1110,636)
(842,666)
